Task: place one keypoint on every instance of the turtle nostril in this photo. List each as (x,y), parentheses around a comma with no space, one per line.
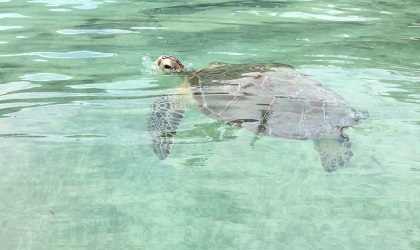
(166,66)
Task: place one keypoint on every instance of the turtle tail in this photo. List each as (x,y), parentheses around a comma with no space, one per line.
(334,152)
(162,123)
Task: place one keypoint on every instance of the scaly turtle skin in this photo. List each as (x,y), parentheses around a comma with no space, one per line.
(268,99)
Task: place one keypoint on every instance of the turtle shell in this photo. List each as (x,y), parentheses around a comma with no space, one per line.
(271,99)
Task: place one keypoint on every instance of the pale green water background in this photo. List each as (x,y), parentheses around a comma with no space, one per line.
(77,170)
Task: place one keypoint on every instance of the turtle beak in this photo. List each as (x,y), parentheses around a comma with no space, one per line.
(168,64)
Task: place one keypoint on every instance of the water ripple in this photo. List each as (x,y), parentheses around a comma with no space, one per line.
(77,4)
(69,55)
(149,28)
(45,77)
(15,86)
(60,10)
(230,53)
(4,106)
(121,85)
(11,15)
(3,27)
(95,31)
(304,15)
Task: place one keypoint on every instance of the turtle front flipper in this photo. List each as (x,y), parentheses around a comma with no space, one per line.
(162,122)
(334,152)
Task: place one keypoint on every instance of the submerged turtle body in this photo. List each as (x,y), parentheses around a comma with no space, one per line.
(269,99)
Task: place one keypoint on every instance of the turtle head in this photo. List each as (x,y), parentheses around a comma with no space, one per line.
(168,64)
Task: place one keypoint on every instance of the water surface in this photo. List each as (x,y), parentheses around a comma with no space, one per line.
(77,169)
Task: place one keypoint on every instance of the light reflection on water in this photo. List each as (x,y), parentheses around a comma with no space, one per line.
(77,169)
(72,54)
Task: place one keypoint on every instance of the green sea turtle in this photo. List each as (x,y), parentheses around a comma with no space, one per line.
(267,99)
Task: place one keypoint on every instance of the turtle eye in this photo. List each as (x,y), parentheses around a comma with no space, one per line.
(166,66)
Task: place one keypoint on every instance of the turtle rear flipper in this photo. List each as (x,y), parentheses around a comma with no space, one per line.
(163,122)
(334,152)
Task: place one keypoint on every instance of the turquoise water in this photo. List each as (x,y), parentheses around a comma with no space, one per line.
(77,170)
